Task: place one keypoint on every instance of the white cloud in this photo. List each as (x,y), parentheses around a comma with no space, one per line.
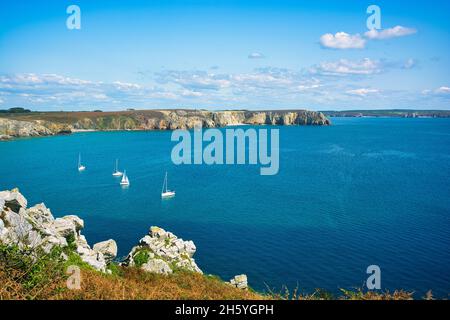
(395,32)
(362,92)
(345,67)
(125,85)
(444,90)
(256,55)
(194,80)
(190,93)
(342,40)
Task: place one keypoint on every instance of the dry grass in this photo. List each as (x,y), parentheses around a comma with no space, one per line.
(22,277)
(132,285)
(137,285)
(25,278)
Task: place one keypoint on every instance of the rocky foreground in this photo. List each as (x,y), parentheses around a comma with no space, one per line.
(35,229)
(51,123)
(37,251)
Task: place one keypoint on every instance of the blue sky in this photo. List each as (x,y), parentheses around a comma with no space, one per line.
(224,55)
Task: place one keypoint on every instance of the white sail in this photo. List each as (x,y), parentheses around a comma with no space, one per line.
(125,181)
(165,192)
(116,172)
(80,166)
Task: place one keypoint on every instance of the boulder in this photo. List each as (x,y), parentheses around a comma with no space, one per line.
(64,227)
(77,222)
(157,266)
(40,213)
(13,199)
(95,260)
(108,248)
(157,232)
(240,282)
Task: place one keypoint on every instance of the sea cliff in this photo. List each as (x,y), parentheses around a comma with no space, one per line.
(52,123)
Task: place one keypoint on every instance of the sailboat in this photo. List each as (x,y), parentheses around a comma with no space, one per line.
(80,166)
(125,181)
(116,172)
(166,193)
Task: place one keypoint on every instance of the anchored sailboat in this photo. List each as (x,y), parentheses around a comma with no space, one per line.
(166,193)
(116,172)
(125,181)
(80,166)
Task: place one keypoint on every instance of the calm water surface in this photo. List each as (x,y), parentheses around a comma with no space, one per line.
(360,192)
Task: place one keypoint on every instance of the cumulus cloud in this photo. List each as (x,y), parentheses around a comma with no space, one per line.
(256,55)
(344,67)
(445,90)
(395,32)
(362,92)
(342,40)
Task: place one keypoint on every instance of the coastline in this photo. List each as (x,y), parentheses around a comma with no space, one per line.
(55,123)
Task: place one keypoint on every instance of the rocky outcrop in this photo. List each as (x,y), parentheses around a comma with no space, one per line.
(35,227)
(37,125)
(162,252)
(239,281)
(107,248)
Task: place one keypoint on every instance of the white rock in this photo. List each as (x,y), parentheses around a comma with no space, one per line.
(13,199)
(166,247)
(157,232)
(40,213)
(190,248)
(95,260)
(157,266)
(64,227)
(19,227)
(240,281)
(77,221)
(108,248)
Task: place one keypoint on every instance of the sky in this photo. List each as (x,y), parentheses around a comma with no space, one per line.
(318,55)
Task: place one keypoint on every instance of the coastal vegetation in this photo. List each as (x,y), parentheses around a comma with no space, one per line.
(38,254)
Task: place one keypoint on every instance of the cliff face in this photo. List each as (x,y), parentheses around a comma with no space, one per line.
(10,128)
(43,124)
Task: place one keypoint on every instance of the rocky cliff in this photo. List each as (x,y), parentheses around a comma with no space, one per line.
(50,123)
(34,229)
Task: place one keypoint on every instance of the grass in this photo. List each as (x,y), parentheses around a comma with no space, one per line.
(28,275)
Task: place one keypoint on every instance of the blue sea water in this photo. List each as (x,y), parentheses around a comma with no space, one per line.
(360,192)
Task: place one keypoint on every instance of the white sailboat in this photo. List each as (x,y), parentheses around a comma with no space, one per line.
(80,166)
(125,181)
(116,172)
(166,193)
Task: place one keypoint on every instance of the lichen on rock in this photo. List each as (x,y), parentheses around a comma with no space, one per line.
(162,252)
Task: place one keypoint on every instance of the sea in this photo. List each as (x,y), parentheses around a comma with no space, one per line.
(361,192)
